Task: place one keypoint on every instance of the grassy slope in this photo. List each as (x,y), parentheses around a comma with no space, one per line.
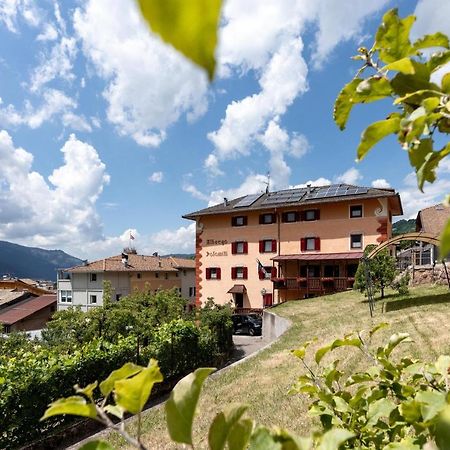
(263,382)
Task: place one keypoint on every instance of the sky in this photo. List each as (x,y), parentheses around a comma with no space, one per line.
(105,130)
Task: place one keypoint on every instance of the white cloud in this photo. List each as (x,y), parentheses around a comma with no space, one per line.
(57,212)
(321,181)
(191,189)
(156,177)
(55,102)
(180,240)
(150,85)
(49,33)
(350,176)
(381,183)
(12,10)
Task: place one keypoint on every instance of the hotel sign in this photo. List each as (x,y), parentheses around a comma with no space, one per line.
(224,253)
(216,242)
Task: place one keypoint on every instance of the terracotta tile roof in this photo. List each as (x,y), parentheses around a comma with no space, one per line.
(26,308)
(9,295)
(432,219)
(136,263)
(183,263)
(319,256)
(306,199)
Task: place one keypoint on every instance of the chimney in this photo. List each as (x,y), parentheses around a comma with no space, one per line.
(125,259)
(155,254)
(308,188)
(225,201)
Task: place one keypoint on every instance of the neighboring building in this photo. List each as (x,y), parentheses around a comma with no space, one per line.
(127,273)
(308,241)
(23,285)
(9,297)
(30,314)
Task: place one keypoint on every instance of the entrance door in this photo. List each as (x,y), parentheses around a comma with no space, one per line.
(267,299)
(239,300)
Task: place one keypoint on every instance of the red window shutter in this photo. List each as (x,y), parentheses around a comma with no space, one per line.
(317,214)
(317,244)
(246,247)
(261,246)
(244,273)
(218,273)
(274,245)
(302,244)
(233,221)
(261,274)
(284,217)
(274,218)
(274,272)
(208,274)
(233,273)
(302,215)
(233,248)
(261,218)
(245,220)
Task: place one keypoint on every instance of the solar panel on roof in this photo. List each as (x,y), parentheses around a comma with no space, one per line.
(247,200)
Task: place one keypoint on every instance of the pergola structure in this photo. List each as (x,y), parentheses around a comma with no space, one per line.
(416,236)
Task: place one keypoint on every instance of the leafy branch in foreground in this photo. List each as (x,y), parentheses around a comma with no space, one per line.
(391,405)
(405,72)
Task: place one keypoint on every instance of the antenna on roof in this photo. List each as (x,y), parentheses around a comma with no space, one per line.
(267,183)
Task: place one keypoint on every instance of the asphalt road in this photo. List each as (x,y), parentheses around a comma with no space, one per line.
(246,345)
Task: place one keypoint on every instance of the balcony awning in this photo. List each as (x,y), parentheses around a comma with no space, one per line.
(238,289)
(319,256)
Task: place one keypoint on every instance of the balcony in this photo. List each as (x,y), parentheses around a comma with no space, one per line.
(314,284)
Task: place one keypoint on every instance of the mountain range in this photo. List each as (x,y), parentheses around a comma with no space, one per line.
(31,262)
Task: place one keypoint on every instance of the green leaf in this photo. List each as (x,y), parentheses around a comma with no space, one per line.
(392,38)
(115,410)
(239,435)
(417,97)
(432,403)
(438,60)
(263,440)
(404,84)
(427,171)
(395,340)
(410,410)
(96,445)
(375,132)
(443,365)
(403,65)
(182,404)
(378,409)
(191,27)
(443,429)
(431,40)
(126,371)
(405,444)
(222,424)
(347,342)
(445,83)
(359,91)
(378,327)
(88,391)
(445,240)
(74,405)
(334,438)
(132,393)
(321,353)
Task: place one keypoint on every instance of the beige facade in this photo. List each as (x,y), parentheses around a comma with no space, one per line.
(304,253)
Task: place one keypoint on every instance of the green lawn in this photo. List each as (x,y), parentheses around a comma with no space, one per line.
(263,382)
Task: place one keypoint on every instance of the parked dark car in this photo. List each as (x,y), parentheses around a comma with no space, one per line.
(247,324)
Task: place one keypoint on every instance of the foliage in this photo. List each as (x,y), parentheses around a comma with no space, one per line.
(381,269)
(403,226)
(393,404)
(401,283)
(404,71)
(11,343)
(191,27)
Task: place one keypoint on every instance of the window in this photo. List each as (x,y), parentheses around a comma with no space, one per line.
(351,270)
(268,273)
(184,273)
(239,248)
(356,211)
(239,221)
(93,277)
(166,276)
(331,271)
(66,297)
(267,218)
(268,246)
(138,275)
(213,273)
(239,273)
(356,241)
(118,297)
(156,275)
(192,292)
(310,244)
(289,217)
(93,299)
(311,214)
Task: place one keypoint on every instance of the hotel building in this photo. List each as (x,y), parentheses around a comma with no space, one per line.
(267,248)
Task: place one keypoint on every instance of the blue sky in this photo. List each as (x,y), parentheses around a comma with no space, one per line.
(105,129)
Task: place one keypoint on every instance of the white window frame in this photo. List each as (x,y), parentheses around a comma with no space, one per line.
(65,295)
(239,273)
(240,247)
(350,211)
(362,241)
(213,273)
(310,239)
(269,243)
(90,299)
(92,276)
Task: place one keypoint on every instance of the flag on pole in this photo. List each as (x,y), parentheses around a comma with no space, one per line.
(261,269)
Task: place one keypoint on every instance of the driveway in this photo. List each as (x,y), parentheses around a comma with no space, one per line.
(246,345)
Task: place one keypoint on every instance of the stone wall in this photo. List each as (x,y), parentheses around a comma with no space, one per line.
(429,274)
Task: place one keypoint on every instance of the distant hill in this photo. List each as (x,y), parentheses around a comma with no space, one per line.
(183,255)
(403,226)
(31,262)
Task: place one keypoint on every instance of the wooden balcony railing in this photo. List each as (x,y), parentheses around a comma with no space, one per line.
(314,284)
